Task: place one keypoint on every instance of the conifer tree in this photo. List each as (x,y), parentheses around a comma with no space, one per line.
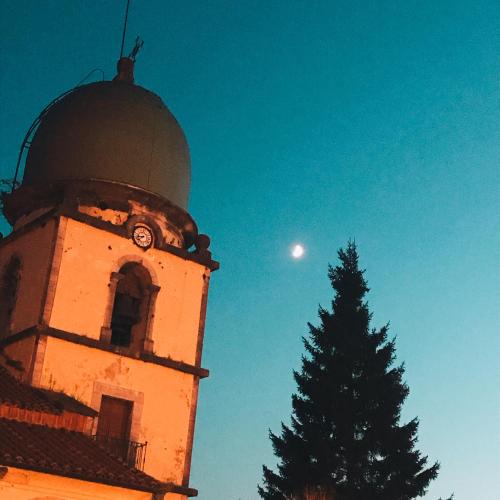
(345,440)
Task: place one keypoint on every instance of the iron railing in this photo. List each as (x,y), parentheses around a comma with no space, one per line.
(130,452)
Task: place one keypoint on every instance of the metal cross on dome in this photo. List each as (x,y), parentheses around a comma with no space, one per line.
(137,46)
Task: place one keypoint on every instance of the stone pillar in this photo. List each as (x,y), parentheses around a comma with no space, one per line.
(106,327)
(148,338)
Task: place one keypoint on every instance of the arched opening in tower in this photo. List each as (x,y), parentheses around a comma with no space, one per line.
(131,306)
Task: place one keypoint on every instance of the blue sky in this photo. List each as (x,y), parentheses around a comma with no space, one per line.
(315,122)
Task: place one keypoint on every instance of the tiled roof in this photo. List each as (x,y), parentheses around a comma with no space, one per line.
(68,403)
(16,393)
(22,395)
(66,453)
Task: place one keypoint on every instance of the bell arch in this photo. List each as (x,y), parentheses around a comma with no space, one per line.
(126,259)
(130,311)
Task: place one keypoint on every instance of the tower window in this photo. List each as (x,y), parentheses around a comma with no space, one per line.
(131,307)
(125,316)
(9,286)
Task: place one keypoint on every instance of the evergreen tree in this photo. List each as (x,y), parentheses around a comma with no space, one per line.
(346,441)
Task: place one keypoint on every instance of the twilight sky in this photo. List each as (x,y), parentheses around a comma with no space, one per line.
(314,121)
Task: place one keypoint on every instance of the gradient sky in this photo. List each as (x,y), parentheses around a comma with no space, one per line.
(314,122)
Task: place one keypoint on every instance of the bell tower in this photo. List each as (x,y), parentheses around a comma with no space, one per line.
(104,279)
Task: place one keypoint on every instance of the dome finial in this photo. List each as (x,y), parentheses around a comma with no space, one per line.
(125,65)
(125,70)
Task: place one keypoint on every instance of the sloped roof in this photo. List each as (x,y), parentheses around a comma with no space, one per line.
(22,395)
(67,453)
(59,451)
(16,393)
(68,403)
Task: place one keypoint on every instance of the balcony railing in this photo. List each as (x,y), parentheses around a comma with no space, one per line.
(130,452)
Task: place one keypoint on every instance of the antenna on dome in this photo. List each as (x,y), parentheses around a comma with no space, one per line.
(125,64)
(124,28)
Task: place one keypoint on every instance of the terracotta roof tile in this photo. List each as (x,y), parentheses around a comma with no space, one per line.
(68,403)
(22,395)
(66,453)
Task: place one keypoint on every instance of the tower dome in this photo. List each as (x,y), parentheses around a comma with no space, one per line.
(113,131)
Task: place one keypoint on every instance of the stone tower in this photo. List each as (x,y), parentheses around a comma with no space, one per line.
(105,277)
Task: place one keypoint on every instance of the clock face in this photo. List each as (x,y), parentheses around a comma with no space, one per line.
(142,236)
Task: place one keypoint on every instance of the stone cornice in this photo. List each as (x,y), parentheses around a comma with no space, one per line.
(97,344)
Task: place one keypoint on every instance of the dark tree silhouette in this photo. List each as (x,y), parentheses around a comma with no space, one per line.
(346,441)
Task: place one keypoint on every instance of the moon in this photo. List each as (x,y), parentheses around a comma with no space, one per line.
(298,251)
